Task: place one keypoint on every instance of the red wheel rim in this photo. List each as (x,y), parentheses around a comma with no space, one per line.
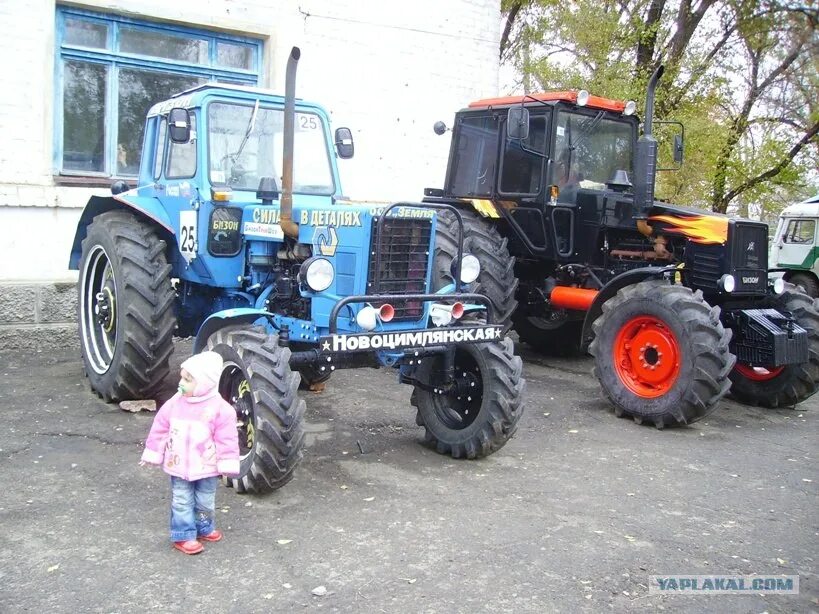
(758,374)
(647,357)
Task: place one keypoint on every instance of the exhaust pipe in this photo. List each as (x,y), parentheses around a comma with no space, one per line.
(645,164)
(288,226)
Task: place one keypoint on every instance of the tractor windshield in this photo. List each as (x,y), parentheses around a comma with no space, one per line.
(475,156)
(245,144)
(589,148)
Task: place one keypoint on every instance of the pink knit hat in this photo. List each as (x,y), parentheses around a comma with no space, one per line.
(206,369)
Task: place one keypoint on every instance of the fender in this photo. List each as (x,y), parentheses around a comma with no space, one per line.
(145,207)
(610,289)
(221,319)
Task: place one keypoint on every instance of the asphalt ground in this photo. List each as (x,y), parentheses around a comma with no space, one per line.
(572,515)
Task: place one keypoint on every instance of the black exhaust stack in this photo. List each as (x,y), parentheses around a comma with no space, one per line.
(645,165)
(288,226)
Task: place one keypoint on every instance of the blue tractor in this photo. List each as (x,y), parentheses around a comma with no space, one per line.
(287,282)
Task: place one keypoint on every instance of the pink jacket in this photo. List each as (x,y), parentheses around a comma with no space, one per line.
(194,438)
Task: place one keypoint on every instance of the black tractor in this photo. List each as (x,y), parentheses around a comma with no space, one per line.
(556,192)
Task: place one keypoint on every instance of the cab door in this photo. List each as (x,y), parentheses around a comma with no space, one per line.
(794,244)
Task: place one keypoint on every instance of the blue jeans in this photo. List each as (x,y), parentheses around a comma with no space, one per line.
(193,506)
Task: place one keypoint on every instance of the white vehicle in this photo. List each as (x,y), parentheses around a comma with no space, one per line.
(794,247)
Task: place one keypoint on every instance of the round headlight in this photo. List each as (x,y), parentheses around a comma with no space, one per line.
(631,107)
(317,273)
(779,285)
(727,283)
(470,268)
(582,98)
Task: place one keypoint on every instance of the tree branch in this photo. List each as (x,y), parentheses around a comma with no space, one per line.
(507,27)
(777,168)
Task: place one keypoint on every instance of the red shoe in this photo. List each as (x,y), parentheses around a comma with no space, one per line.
(189,547)
(213,536)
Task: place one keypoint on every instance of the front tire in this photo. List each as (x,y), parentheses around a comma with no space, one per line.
(257,381)
(497,277)
(125,307)
(661,354)
(789,384)
(481,413)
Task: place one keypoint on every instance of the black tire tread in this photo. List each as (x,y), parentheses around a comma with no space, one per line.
(497,278)
(708,339)
(797,382)
(146,307)
(278,410)
(502,409)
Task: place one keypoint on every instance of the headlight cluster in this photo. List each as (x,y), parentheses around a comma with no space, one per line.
(317,274)
(470,269)
(727,283)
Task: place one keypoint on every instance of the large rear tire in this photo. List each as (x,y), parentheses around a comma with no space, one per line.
(790,384)
(257,381)
(806,283)
(661,354)
(125,307)
(481,413)
(497,278)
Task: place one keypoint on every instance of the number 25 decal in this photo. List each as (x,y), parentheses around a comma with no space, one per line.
(188,239)
(187,234)
(308,122)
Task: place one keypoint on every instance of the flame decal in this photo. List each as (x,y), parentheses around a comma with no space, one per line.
(705,229)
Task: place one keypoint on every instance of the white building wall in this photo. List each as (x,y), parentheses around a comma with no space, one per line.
(386,69)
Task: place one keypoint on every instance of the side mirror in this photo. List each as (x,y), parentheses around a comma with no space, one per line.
(344,143)
(670,137)
(179,125)
(517,123)
(439,128)
(678,148)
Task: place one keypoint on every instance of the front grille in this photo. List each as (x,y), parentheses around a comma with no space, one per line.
(749,256)
(750,242)
(706,267)
(404,257)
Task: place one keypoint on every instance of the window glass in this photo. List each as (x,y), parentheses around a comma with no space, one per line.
(84,86)
(245,144)
(156,44)
(182,156)
(589,149)
(801,231)
(82,33)
(234,56)
(523,160)
(138,90)
(104,97)
(476,154)
(160,146)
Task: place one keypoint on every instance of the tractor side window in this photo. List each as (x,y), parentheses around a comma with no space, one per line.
(476,153)
(522,165)
(160,147)
(589,148)
(801,232)
(182,156)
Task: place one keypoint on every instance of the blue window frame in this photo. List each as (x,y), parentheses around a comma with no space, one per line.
(111,69)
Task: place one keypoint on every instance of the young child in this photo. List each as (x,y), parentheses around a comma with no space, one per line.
(194,438)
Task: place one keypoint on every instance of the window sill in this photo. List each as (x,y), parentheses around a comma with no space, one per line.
(80,181)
